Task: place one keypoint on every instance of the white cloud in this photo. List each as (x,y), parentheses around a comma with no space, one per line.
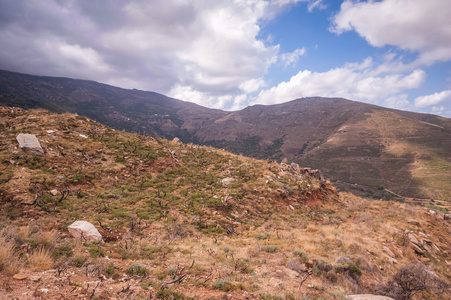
(252,85)
(415,25)
(359,82)
(209,48)
(433,99)
(398,101)
(290,58)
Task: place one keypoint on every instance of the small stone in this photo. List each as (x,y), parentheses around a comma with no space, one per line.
(53,192)
(414,222)
(50,131)
(83,136)
(228,180)
(35,278)
(20,276)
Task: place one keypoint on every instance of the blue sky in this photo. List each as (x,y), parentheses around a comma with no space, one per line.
(229,54)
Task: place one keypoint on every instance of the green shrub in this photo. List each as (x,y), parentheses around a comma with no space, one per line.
(270,248)
(168,294)
(262,236)
(320,266)
(136,269)
(348,268)
(302,255)
(63,251)
(95,250)
(223,285)
(80,260)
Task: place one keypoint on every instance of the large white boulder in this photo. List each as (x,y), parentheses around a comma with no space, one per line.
(29,143)
(85,231)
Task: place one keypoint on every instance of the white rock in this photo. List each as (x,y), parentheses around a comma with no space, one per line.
(29,143)
(83,136)
(228,180)
(85,231)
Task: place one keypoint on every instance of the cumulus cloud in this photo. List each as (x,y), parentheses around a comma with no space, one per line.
(433,99)
(290,58)
(360,82)
(415,25)
(203,49)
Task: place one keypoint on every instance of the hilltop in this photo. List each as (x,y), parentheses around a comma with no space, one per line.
(365,149)
(182,220)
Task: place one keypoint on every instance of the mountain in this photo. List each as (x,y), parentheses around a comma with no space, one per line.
(181,221)
(366,149)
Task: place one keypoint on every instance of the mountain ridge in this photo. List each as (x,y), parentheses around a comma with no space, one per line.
(360,146)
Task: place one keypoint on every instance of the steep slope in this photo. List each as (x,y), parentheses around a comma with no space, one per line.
(363,148)
(184,221)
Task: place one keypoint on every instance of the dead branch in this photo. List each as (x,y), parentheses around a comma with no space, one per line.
(178,279)
(93,291)
(124,289)
(64,194)
(303,280)
(87,157)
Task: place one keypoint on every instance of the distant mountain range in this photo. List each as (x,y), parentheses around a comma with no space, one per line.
(364,148)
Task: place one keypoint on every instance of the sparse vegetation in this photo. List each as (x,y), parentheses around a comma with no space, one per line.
(164,212)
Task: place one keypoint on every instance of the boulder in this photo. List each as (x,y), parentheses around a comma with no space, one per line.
(85,231)
(29,143)
(368,297)
(447,217)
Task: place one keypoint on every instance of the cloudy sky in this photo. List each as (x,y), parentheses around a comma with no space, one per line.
(229,54)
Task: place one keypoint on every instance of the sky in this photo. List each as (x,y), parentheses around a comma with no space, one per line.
(229,54)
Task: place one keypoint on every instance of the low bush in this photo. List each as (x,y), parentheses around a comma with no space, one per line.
(270,248)
(223,285)
(409,280)
(348,268)
(136,269)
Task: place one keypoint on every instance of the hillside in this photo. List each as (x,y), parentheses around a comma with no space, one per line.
(360,146)
(182,221)
(365,149)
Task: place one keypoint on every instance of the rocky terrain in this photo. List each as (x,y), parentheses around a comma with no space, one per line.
(182,221)
(365,149)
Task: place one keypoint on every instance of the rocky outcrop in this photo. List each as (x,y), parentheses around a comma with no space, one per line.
(29,143)
(85,231)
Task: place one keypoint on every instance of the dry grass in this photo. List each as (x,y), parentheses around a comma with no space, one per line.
(40,259)
(10,263)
